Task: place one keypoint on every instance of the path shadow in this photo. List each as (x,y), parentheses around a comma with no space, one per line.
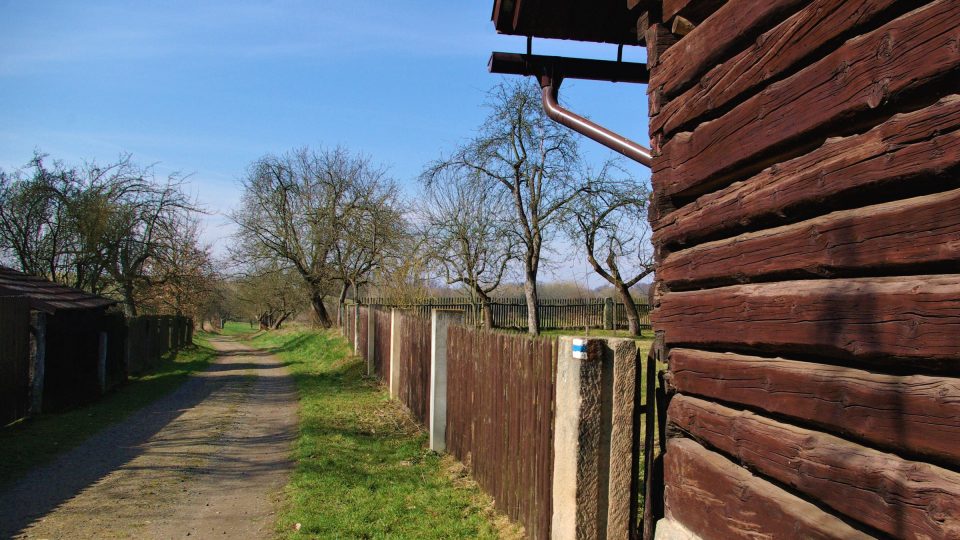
(48,486)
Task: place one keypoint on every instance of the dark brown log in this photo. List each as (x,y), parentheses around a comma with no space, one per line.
(922,230)
(907,146)
(681,26)
(916,414)
(694,10)
(905,499)
(913,318)
(659,39)
(783,47)
(865,73)
(732,26)
(714,498)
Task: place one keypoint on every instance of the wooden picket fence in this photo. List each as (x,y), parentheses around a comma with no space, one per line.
(555,313)
(500,402)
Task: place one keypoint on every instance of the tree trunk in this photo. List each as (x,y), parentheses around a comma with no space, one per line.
(533,301)
(320,310)
(633,316)
(341,302)
(129,306)
(485,307)
(487,313)
(280,319)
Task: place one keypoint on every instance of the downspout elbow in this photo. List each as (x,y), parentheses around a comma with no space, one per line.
(550,87)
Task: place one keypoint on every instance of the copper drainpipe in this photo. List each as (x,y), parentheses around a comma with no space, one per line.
(550,86)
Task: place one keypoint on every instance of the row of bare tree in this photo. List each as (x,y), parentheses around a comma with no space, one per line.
(337,222)
(111,229)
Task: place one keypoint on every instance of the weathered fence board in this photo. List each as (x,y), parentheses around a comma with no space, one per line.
(414,372)
(500,399)
(381,349)
(914,414)
(897,235)
(904,499)
(893,155)
(149,337)
(912,318)
(715,498)
(905,54)
(14,359)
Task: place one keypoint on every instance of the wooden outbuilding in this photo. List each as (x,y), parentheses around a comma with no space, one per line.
(59,346)
(806,218)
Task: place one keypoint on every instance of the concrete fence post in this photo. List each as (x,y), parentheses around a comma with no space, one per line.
(440,321)
(394,354)
(371,341)
(594,476)
(38,359)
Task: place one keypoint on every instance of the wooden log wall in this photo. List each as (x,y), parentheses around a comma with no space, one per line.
(500,401)
(806,218)
(414,357)
(14,359)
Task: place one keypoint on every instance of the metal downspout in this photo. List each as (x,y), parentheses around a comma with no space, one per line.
(550,87)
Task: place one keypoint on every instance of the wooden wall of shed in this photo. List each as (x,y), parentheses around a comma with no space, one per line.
(14,359)
(806,217)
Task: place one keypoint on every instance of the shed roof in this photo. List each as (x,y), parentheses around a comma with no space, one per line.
(45,295)
(604,21)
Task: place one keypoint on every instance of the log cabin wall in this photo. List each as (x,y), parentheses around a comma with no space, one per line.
(806,217)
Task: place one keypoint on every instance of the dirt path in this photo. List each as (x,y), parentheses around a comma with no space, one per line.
(207,461)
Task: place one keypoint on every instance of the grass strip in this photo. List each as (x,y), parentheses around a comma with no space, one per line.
(34,441)
(362,467)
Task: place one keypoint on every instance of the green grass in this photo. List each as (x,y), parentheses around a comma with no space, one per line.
(37,440)
(362,467)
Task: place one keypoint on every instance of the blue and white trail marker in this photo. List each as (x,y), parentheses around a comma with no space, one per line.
(579,349)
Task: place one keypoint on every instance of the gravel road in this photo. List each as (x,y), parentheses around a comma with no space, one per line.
(207,461)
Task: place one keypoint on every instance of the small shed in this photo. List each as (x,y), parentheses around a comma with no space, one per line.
(59,346)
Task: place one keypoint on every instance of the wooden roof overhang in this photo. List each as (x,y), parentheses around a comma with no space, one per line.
(47,296)
(602,21)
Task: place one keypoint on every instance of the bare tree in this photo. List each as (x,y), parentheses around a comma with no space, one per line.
(376,228)
(297,209)
(92,227)
(183,277)
(536,161)
(468,232)
(271,295)
(609,222)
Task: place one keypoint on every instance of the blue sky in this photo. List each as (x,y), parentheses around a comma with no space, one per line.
(207,87)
